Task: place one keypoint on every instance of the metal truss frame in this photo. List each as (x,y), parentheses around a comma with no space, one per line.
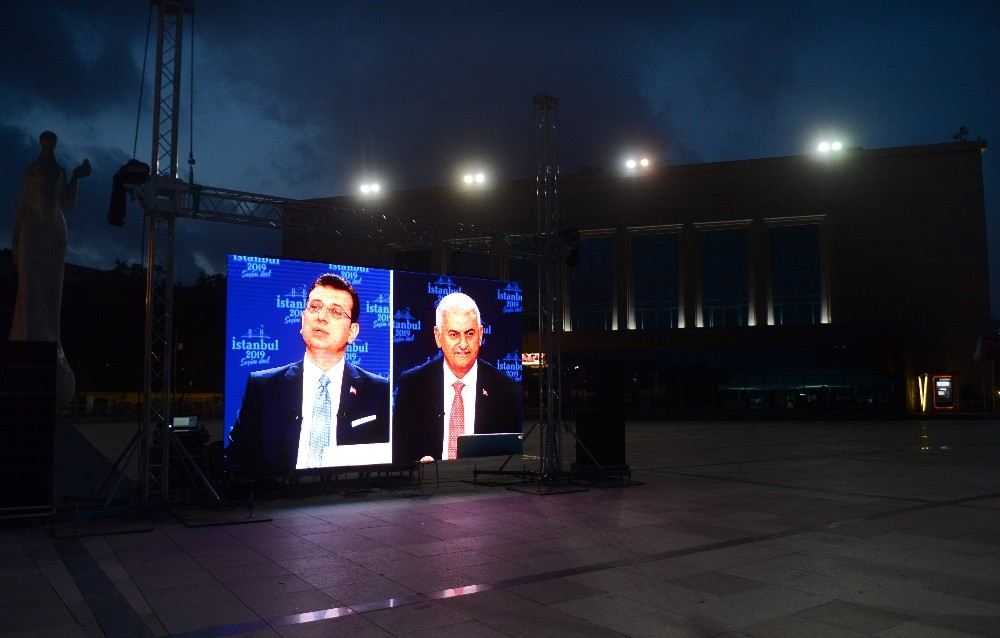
(165,198)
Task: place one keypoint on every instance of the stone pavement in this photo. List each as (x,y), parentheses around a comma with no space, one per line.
(886,528)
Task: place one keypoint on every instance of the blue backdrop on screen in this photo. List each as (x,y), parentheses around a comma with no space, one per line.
(415,297)
(265,298)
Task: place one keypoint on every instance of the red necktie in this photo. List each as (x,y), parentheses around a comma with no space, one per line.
(456,420)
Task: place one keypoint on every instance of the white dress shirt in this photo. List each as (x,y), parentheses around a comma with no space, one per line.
(468,401)
(310,386)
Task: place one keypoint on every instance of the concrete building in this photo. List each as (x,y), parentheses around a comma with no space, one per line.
(853,281)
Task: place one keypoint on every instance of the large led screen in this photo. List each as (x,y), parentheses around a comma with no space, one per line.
(331,365)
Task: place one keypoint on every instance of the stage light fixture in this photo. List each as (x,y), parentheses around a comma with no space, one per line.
(133,173)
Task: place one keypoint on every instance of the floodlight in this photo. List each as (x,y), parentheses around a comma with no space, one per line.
(829,146)
(370,189)
(474,178)
(637,164)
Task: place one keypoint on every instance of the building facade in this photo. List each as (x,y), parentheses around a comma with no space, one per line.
(852,282)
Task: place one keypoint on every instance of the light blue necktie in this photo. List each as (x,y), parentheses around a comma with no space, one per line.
(319,430)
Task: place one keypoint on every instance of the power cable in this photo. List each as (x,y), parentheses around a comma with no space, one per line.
(138,115)
(191,160)
(142,81)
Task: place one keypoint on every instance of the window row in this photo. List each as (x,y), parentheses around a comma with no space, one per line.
(664,276)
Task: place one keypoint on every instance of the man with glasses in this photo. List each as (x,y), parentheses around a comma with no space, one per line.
(309,413)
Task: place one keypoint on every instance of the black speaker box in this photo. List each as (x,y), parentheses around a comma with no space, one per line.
(603,435)
(27,426)
(600,421)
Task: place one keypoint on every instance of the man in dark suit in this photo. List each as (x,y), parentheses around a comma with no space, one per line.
(309,413)
(453,394)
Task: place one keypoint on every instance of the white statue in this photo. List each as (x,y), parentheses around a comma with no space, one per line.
(39,247)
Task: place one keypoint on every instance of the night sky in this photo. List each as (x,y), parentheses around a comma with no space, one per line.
(300,99)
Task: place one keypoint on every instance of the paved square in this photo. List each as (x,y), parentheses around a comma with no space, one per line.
(811,528)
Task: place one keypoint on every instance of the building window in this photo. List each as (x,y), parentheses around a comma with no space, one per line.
(656,280)
(724,278)
(591,285)
(795,275)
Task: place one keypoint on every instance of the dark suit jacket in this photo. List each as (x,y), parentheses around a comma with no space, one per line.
(265,437)
(418,417)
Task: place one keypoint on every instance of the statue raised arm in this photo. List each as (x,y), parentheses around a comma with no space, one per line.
(39,249)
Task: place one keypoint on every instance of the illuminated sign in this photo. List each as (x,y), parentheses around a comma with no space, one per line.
(922,391)
(943,388)
(944,394)
(532,359)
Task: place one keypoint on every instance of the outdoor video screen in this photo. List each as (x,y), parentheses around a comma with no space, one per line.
(331,365)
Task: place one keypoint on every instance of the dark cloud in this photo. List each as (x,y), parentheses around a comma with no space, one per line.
(19,148)
(398,79)
(298,98)
(92,242)
(762,72)
(74,59)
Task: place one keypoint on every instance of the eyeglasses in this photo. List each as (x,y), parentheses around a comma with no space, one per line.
(316,308)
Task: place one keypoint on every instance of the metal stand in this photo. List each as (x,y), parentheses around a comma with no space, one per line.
(551,252)
(191,467)
(550,280)
(119,468)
